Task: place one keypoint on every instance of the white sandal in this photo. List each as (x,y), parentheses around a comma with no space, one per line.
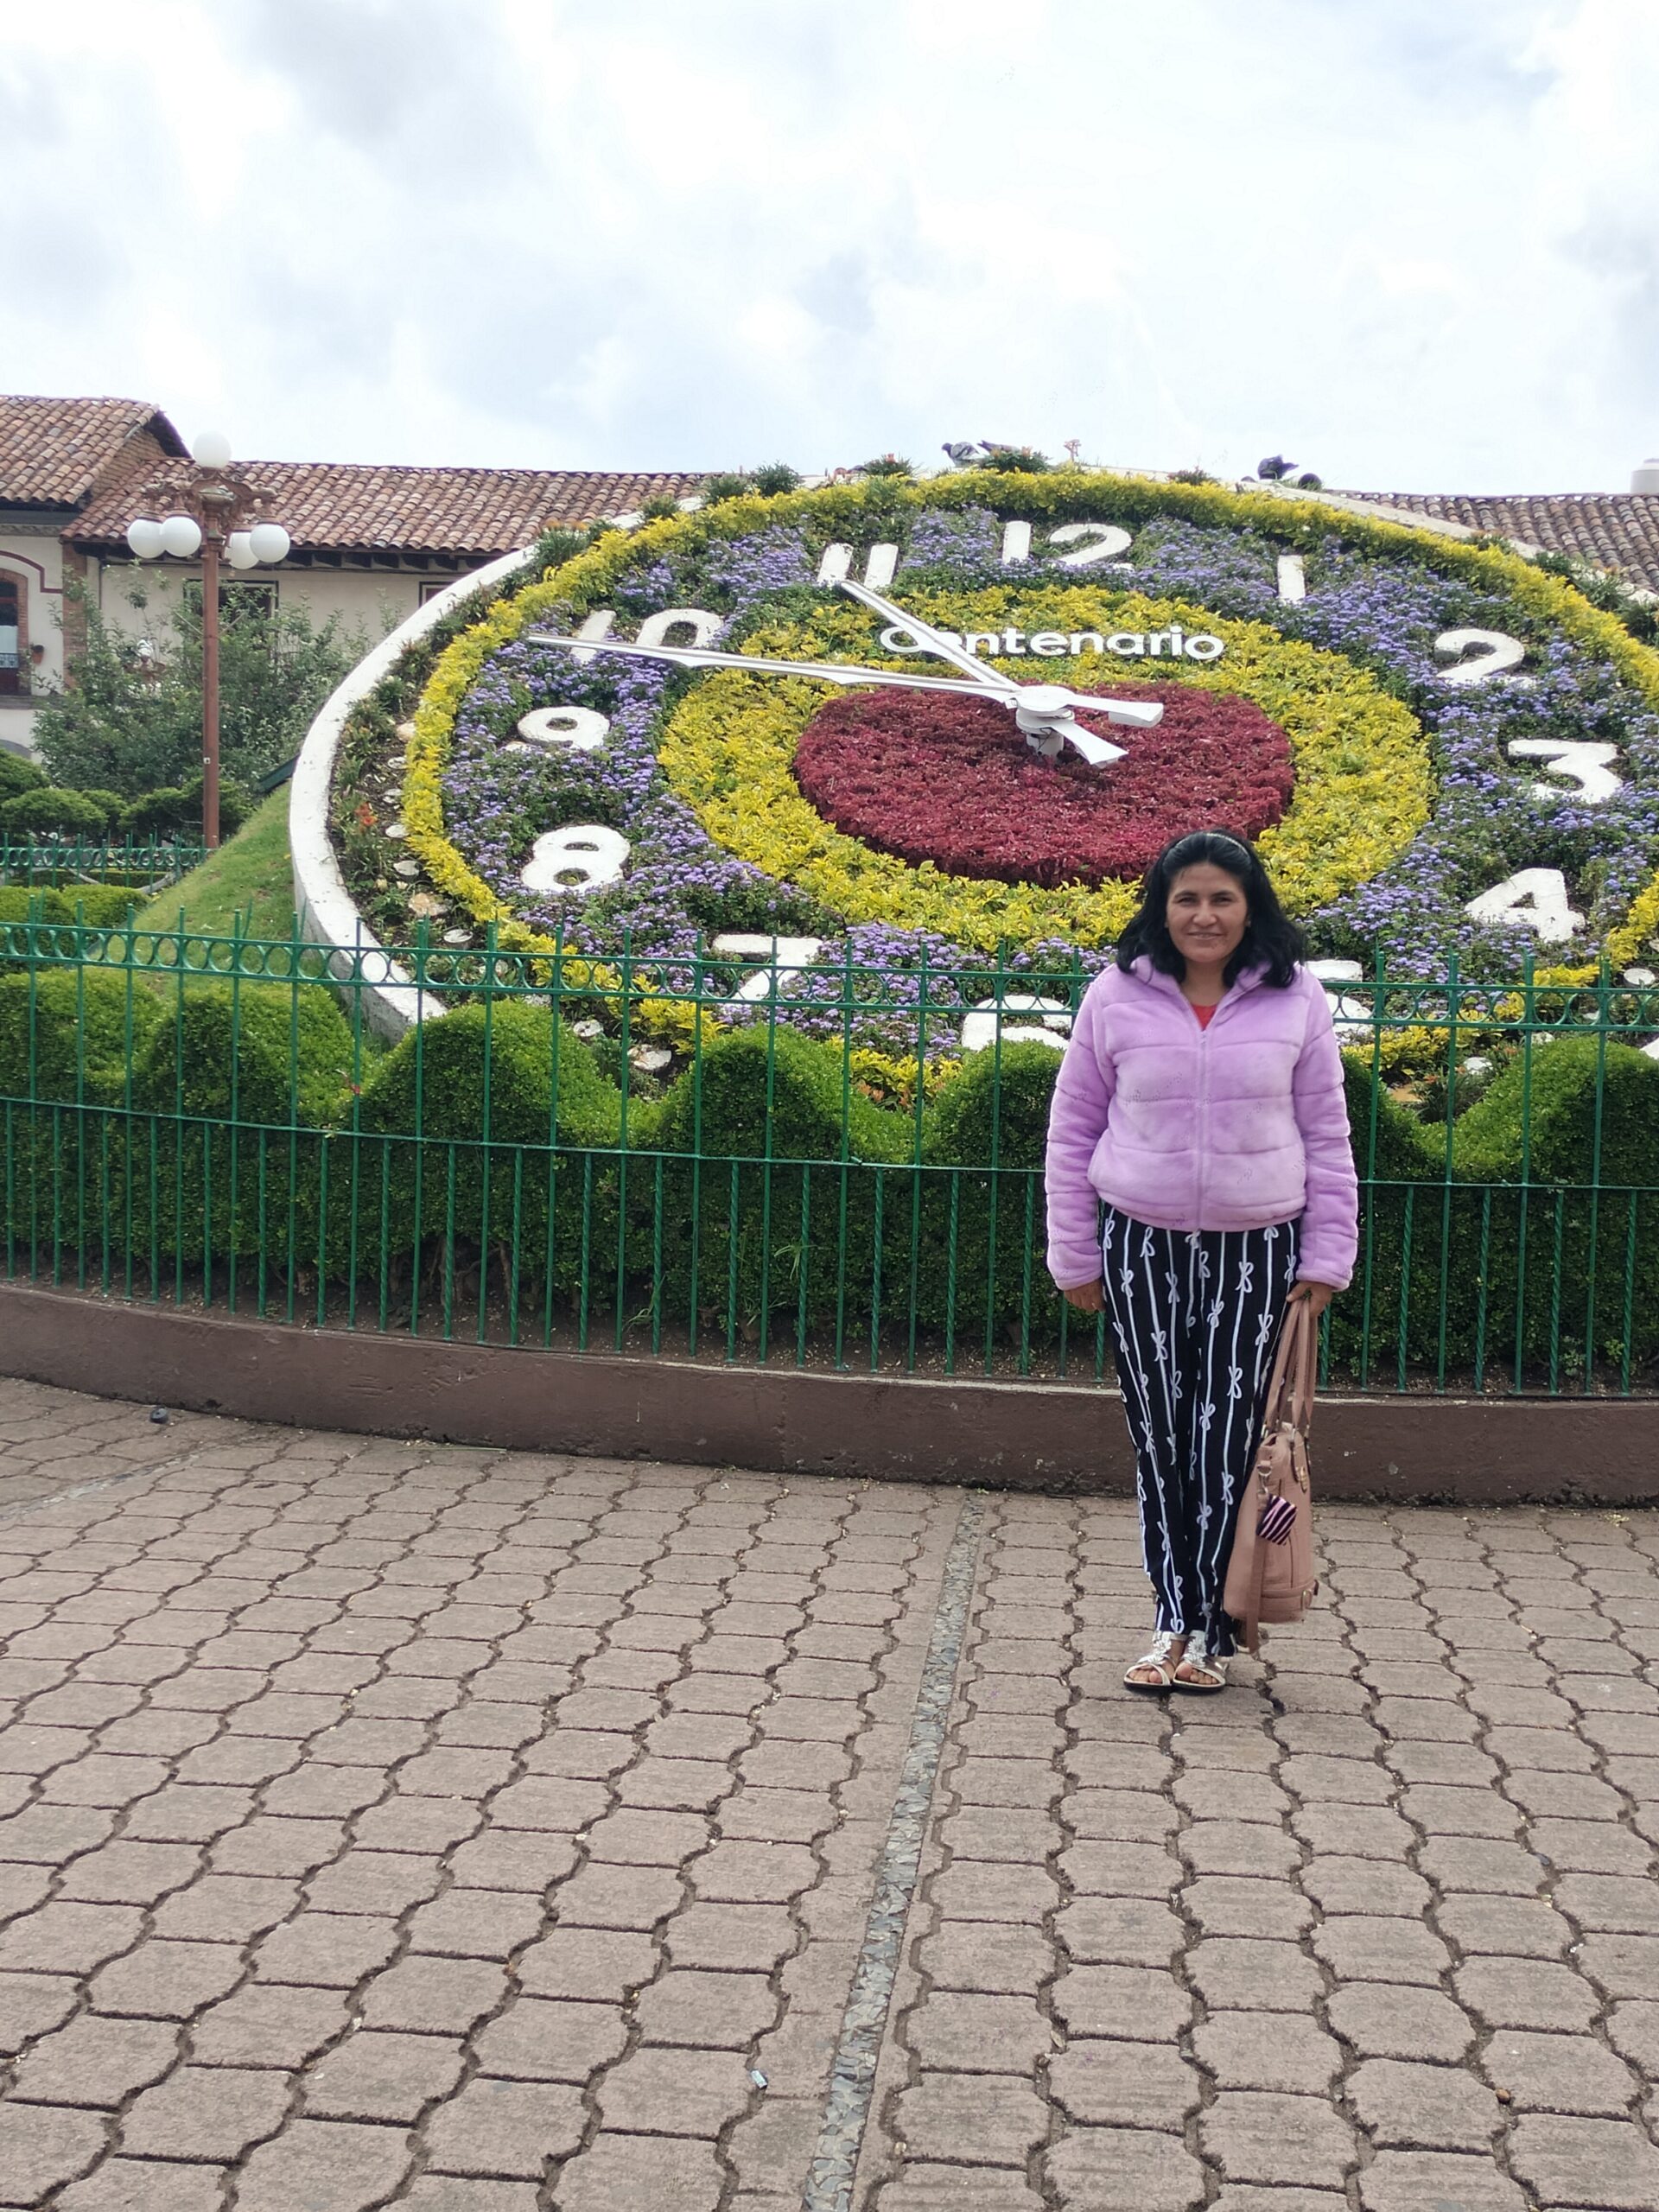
(1161,1660)
(1208,1666)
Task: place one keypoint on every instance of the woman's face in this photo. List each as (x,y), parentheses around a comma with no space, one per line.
(1205,914)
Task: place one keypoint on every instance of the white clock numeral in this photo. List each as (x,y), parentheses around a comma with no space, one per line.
(1534,898)
(1495,653)
(1589,766)
(704,627)
(1016,541)
(782,957)
(1095,541)
(1293,576)
(879,566)
(575,860)
(981,1027)
(599,624)
(560,729)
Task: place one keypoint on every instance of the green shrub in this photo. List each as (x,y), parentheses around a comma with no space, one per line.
(67,1040)
(734,1167)
(489,1072)
(101,906)
(72,1031)
(17,775)
(52,812)
(161,813)
(482,1086)
(175,810)
(28,903)
(1583,1113)
(110,804)
(22,902)
(257,1053)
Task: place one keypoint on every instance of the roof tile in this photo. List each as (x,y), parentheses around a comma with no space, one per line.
(53,451)
(464,513)
(1611,530)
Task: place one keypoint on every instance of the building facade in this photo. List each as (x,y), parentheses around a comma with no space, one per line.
(369,543)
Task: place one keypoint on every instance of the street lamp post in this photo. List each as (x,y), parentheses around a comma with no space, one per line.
(220,512)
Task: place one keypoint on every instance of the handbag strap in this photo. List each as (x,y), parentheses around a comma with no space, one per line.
(1275,1404)
(1303,1363)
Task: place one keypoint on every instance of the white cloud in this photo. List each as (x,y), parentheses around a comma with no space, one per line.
(1413,246)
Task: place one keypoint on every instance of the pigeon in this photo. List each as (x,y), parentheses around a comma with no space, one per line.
(962,453)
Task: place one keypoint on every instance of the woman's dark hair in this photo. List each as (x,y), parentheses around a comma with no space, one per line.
(1271,939)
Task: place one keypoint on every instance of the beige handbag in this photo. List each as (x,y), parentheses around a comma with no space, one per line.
(1271,1568)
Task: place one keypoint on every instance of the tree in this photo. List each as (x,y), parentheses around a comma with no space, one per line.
(129,717)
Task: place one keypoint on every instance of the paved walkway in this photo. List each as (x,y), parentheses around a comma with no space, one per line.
(387,1824)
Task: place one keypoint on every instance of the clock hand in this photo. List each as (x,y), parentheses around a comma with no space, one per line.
(1046,699)
(1037,705)
(817,671)
(935,640)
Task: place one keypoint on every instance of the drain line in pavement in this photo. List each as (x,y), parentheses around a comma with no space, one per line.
(851,2079)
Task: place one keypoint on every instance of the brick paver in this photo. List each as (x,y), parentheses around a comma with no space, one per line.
(479,1832)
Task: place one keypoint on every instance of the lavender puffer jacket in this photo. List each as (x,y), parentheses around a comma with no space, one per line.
(1230,1126)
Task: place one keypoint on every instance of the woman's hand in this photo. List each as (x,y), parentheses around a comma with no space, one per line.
(1318,1295)
(1087,1297)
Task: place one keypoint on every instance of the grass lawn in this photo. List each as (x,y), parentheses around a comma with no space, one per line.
(251,874)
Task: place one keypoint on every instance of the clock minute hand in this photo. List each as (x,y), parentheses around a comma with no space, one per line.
(816,671)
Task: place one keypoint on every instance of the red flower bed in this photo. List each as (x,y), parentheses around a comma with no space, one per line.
(952,780)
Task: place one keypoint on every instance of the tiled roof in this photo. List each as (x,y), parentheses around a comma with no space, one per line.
(1613,529)
(52,451)
(468,513)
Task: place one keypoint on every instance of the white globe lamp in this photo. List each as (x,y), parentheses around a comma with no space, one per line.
(181,537)
(270,542)
(211,450)
(144,536)
(238,550)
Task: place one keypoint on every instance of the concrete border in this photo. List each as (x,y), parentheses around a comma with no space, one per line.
(329,915)
(1008,1435)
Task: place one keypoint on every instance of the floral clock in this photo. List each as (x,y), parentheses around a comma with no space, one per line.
(915,726)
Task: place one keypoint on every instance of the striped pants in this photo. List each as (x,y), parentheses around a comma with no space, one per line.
(1196,1319)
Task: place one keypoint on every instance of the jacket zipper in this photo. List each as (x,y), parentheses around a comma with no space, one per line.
(1204,1117)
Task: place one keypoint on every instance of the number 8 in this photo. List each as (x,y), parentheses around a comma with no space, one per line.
(583,856)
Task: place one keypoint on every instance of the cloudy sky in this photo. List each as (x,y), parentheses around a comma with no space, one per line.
(1411,243)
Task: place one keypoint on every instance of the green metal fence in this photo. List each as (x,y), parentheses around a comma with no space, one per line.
(64,861)
(639,1158)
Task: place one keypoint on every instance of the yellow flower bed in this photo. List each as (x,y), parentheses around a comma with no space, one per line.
(1363,782)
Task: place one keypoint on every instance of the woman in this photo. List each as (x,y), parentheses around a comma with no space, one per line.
(1201,1100)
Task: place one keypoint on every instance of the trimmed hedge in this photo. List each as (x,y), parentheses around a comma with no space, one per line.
(73,1034)
(99,906)
(54,812)
(762,1192)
